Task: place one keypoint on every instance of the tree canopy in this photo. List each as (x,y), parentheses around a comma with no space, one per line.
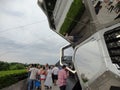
(4,66)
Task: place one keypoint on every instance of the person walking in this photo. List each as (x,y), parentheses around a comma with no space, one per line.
(55,74)
(48,81)
(62,78)
(33,72)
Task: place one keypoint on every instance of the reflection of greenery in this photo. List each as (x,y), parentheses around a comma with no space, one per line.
(75,12)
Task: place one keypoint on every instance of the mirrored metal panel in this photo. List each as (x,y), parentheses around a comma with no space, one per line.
(106,10)
(89,60)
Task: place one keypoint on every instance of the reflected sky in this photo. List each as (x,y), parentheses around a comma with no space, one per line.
(88,59)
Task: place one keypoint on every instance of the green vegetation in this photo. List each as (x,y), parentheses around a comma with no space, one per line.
(75,12)
(16,66)
(11,66)
(8,78)
(4,73)
(11,73)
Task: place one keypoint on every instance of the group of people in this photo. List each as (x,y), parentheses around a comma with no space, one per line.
(114,5)
(110,4)
(46,75)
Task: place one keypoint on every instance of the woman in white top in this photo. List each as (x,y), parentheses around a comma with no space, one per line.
(48,81)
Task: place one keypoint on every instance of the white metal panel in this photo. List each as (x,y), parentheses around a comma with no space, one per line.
(89,59)
(92,59)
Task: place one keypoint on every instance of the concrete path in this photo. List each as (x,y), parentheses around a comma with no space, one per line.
(21,85)
(55,88)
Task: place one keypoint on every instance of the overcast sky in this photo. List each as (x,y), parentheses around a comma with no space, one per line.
(25,35)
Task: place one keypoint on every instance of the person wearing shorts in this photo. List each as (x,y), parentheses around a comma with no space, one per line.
(55,74)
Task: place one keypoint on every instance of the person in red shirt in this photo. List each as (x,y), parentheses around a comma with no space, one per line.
(62,78)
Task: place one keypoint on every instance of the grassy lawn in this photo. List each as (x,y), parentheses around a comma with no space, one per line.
(75,12)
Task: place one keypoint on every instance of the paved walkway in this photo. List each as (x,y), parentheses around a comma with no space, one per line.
(70,84)
(54,88)
(105,16)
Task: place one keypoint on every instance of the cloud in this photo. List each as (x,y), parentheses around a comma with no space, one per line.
(21,12)
(12,13)
(37,53)
(25,35)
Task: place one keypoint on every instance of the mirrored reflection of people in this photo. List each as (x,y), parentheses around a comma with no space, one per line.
(98,7)
(72,38)
(62,78)
(108,3)
(114,3)
(117,7)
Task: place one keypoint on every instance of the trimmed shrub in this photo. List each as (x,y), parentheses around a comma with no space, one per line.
(8,78)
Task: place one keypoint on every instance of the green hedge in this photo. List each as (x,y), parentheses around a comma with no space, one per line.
(75,12)
(8,78)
